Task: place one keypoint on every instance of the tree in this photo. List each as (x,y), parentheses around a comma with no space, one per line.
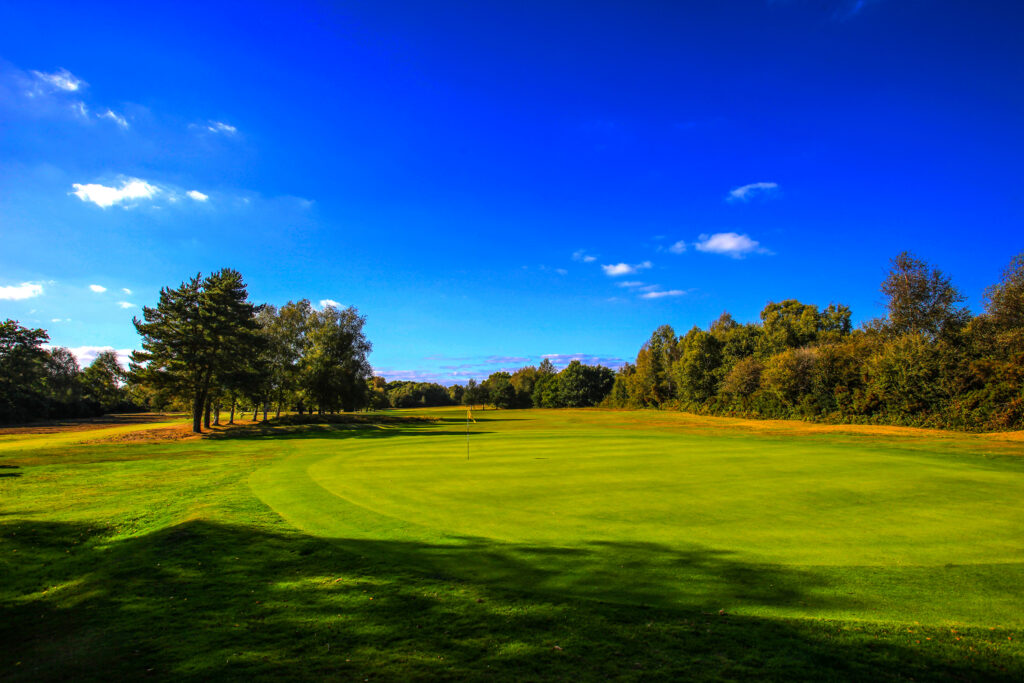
(744,378)
(471,394)
(22,369)
(921,300)
(696,371)
(199,332)
(62,376)
(335,369)
(790,375)
(500,389)
(103,380)
(523,381)
(1004,308)
(582,385)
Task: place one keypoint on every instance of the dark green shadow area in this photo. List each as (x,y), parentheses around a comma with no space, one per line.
(208,601)
(345,426)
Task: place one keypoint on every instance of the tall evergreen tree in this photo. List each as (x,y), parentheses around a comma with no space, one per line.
(201,331)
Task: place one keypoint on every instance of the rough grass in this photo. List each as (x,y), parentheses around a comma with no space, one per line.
(584,544)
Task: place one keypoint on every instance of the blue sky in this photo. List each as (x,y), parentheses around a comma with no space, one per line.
(492,183)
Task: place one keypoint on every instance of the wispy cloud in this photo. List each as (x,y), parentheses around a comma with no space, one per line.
(62,79)
(630,283)
(678,248)
(115,117)
(105,197)
(582,256)
(617,269)
(99,289)
(730,244)
(560,360)
(330,303)
(26,290)
(125,304)
(221,127)
(126,290)
(658,294)
(197,195)
(748,192)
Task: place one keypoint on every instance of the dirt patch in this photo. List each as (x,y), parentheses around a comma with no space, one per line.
(178,432)
(89,423)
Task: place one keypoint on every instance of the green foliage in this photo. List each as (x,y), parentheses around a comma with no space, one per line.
(23,368)
(697,369)
(921,300)
(334,367)
(500,390)
(103,382)
(927,363)
(402,394)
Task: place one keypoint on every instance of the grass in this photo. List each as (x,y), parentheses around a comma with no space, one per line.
(589,544)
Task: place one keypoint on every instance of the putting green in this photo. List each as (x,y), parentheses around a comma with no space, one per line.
(665,509)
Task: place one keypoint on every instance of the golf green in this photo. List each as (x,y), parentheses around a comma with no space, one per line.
(667,510)
(583,544)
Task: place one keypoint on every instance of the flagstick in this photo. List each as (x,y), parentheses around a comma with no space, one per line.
(467,434)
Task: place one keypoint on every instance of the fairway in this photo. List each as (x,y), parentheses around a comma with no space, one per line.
(570,543)
(653,508)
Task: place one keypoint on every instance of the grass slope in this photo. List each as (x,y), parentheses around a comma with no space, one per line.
(582,543)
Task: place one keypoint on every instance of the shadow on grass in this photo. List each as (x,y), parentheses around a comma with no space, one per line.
(9,474)
(201,601)
(344,426)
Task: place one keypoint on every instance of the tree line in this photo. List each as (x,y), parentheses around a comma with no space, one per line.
(207,344)
(41,382)
(206,349)
(575,386)
(926,362)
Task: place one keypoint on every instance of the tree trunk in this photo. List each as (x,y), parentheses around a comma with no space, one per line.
(256,412)
(278,414)
(206,413)
(197,413)
(216,414)
(232,420)
(264,412)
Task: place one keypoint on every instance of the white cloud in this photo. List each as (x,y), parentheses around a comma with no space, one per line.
(99,289)
(126,290)
(87,354)
(55,320)
(617,269)
(125,304)
(80,109)
(26,290)
(746,192)
(561,271)
(115,117)
(581,255)
(658,295)
(103,196)
(325,303)
(221,127)
(678,248)
(631,283)
(197,195)
(62,80)
(729,243)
